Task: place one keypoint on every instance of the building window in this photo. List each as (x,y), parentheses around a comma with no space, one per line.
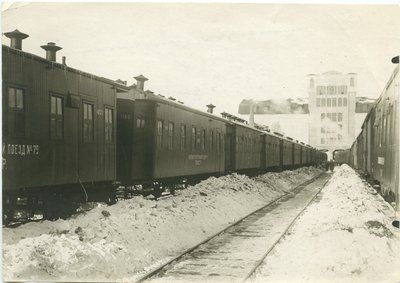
(16,111)
(56,117)
(331,89)
(321,90)
(193,138)
(342,89)
(323,102)
(322,116)
(160,126)
(322,141)
(318,102)
(351,81)
(329,115)
(183,137)
(334,117)
(340,117)
(333,102)
(311,83)
(339,137)
(344,101)
(339,102)
(322,130)
(88,122)
(329,102)
(109,125)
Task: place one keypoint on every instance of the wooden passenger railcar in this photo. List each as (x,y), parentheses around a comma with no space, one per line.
(248,142)
(160,140)
(58,127)
(296,154)
(287,153)
(272,152)
(375,151)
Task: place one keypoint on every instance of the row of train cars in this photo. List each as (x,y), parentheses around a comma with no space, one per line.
(71,137)
(375,152)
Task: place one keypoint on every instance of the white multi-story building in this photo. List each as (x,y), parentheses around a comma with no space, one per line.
(332,103)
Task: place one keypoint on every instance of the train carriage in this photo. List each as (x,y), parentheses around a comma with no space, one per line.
(287,153)
(296,154)
(272,151)
(248,143)
(58,129)
(161,140)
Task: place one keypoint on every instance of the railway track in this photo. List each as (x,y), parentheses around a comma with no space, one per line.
(235,253)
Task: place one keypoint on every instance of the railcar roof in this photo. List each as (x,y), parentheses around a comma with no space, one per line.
(119,86)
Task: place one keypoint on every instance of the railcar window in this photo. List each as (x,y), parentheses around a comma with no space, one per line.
(16,113)
(183,137)
(88,122)
(140,123)
(160,127)
(193,138)
(56,117)
(108,125)
(211,141)
(218,141)
(170,136)
(203,140)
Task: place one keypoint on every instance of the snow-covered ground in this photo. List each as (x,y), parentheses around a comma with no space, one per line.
(346,236)
(110,243)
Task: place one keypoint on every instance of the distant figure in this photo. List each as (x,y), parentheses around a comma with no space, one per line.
(330,163)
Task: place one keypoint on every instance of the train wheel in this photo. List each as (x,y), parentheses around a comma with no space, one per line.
(9,206)
(157,191)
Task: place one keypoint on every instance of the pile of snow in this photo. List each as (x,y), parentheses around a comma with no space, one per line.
(114,242)
(346,236)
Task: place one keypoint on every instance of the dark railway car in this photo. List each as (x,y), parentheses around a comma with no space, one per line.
(248,143)
(58,130)
(162,141)
(287,153)
(272,152)
(297,154)
(341,156)
(384,143)
(376,150)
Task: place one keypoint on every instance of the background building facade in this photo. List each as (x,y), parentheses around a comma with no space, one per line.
(332,104)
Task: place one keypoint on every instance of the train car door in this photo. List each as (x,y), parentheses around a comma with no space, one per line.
(143,140)
(230,148)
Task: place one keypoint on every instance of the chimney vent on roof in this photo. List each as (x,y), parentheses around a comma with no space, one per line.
(16,38)
(210,108)
(140,82)
(51,50)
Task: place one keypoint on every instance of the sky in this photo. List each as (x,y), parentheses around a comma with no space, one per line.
(216,53)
